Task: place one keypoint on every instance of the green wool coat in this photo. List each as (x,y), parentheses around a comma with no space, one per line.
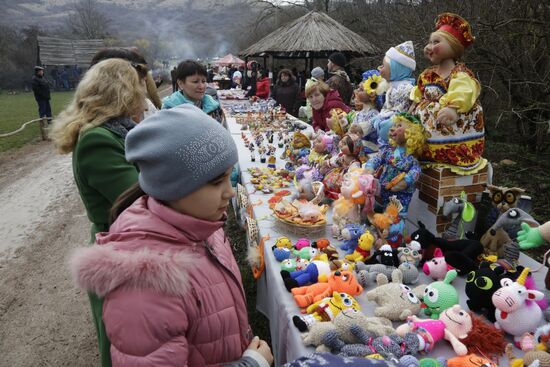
(101,173)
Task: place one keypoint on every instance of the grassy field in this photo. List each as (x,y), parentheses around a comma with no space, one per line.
(20,108)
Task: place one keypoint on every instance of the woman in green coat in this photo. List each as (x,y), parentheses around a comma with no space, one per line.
(108,102)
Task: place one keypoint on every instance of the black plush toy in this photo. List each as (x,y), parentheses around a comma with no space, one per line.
(387,256)
(460,254)
(483,282)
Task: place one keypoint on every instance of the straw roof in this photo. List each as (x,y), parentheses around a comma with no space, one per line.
(59,51)
(314,34)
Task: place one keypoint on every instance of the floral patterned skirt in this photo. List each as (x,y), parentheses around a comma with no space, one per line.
(459,146)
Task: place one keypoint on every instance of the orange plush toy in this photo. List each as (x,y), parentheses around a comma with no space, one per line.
(338,281)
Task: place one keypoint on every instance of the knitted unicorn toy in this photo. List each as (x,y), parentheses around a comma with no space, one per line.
(516,313)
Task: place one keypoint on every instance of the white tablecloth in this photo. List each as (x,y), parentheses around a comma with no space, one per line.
(277,304)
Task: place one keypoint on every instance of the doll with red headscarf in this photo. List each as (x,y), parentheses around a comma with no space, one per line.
(446,98)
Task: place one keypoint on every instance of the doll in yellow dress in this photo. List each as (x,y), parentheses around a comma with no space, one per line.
(446,100)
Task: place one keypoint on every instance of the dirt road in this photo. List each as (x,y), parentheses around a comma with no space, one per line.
(44,319)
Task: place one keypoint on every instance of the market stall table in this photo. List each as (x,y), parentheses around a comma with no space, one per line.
(273,299)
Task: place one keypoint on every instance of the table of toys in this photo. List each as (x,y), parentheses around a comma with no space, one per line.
(336,287)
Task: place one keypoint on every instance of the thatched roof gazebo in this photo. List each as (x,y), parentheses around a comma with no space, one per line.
(313,36)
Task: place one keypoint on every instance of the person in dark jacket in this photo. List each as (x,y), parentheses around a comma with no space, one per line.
(323,100)
(339,79)
(263,85)
(41,90)
(174,80)
(250,79)
(286,91)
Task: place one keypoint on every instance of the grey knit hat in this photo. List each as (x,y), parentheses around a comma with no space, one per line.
(317,73)
(178,151)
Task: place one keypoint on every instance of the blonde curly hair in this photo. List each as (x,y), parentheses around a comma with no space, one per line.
(111,88)
(415,136)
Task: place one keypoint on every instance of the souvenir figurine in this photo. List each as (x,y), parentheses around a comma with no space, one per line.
(446,98)
(337,166)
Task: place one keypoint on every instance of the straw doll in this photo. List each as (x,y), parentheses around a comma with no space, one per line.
(446,100)
(400,168)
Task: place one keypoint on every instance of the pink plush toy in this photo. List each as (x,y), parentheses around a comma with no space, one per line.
(437,267)
(301,243)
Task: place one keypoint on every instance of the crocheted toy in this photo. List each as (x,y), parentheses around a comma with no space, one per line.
(470,360)
(389,224)
(307,253)
(466,332)
(516,313)
(351,234)
(315,271)
(339,281)
(386,255)
(283,242)
(530,359)
(398,160)
(460,254)
(331,252)
(342,324)
(440,295)
(511,221)
(344,212)
(504,198)
(321,244)
(281,254)
(396,301)
(533,237)
(301,243)
(495,242)
(325,310)
(294,264)
(363,251)
(366,274)
(412,361)
(410,253)
(437,267)
(464,213)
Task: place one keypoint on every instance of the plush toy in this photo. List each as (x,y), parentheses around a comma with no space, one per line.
(342,324)
(446,100)
(342,265)
(400,168)
(304,178)
(344,212)
(511,221)
(283,242)
(494,243)
(533,237)
(281,254)
(389,224)
(516,313)
(466,332)
(440,295)
(386,255)
(338,281)
(336,167)
(504,198)
(351,235)
(437,267)
(325,310)
(321,244)
(470,360)
(316,270)
(363,251)
(331,252)
(301,243)
(460,254)
(340,121)
(396,301)
(464,213)
(366,274)
(307,253)
(410,253)
(294,264)
(530,359)
(323,145)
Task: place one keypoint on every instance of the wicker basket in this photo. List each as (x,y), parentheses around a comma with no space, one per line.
(301,230)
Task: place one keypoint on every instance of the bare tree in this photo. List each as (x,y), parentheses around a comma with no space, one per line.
(86,21)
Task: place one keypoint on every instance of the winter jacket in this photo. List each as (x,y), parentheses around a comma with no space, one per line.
(262,88)
(287,96)
(208,104)
(332,100)
(102,173)
(40,88)
(172,290)
(340,82)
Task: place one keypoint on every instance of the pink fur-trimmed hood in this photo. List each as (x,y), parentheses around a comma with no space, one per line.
(101,269)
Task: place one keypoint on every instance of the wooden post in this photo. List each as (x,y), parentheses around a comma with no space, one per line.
(44,128)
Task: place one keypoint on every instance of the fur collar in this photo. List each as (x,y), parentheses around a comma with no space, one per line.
(102,268)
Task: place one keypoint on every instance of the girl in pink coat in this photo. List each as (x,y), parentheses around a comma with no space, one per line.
(172,288)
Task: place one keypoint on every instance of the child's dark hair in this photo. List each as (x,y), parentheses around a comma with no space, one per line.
(125,199)
(188,68)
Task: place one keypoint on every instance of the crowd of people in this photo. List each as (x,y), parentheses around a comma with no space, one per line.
(155,179)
